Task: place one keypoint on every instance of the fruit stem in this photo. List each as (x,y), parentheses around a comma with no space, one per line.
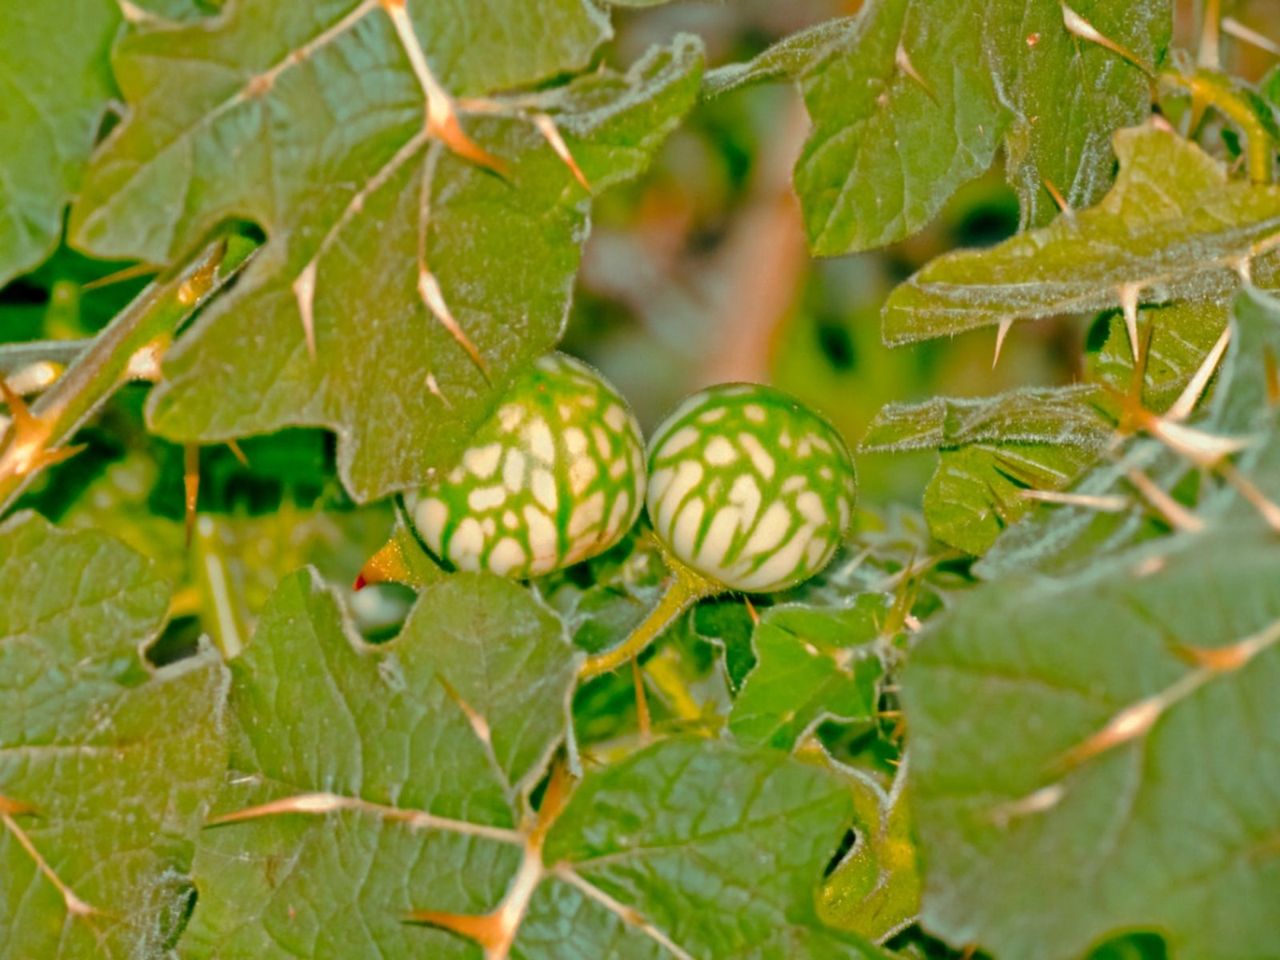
(683,590)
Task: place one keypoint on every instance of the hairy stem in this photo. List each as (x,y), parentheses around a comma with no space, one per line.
(684,589)
(103,366)
(15,356)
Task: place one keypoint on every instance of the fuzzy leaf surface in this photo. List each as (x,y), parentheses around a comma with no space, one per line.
(718,847)
(811,664)
(116,761)
(1103,807)
(910,101)
(55,81)
(454,719)
(991,449)
(404,256)
(1174,227)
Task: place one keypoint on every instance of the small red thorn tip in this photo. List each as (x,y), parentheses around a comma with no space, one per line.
(359,584)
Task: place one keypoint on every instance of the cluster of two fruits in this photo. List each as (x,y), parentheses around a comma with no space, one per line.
(744,485)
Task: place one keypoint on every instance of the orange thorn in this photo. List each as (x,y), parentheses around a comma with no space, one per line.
(14,808)
(547,127)
(190,486)
(1058,198)
(237,453)
(486,929)
(1272,376)
(431,294)
(751,611)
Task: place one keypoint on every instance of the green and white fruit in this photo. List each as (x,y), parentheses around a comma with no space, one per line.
(555,476)
(749,488)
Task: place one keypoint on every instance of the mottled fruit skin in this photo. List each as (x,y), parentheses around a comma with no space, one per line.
(749,487)
(555,476)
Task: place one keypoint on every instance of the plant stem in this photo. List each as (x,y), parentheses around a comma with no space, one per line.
(15,356)
(103,366)
(683,590)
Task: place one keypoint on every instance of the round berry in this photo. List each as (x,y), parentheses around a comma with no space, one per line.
(555,476)
(749,487)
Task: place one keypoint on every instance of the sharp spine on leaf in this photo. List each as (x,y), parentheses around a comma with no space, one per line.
(1082,28)
(902,60)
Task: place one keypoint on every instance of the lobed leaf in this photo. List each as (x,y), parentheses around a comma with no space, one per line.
(55,83)
(107,765)
(909,102)
(421,280)
(992,450)
(423,748)
(717,848)
(812,664)
(1102,808)
(1173,227)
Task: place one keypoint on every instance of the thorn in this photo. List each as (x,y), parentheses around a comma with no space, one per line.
(14,808)
(1002,331)
(1129,724)
(74,905)
(903,62)
(479,725)
(144,364)
(1272,376)
(1174,513)
(35,377)
(304,291)
(1129,304)
(359,584)
(1233,27)
(1269,511)
(1202,449)
(442,120)
(1190,396)
(237,453)
(311,803)
(547,127)
(751,611)
(1058,198)
(1083,29)
(1046,798)
(25,453)
(120,276)
(1244,270)
(436,392)
(1209,55)
(429,291)
(485,929)
(1113,503)
(190,487)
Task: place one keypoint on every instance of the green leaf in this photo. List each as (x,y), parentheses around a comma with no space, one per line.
(978,491)
(875,890)
(106,765)
(312,126)
(1173,227)
(812,665)
(718,848)
(992,449)
(1100,753)
(426,745)
(397,780)
(1059,538)
(55,81)
(910,101)
(1182,333)
(785,60)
